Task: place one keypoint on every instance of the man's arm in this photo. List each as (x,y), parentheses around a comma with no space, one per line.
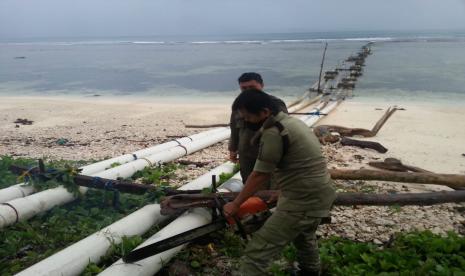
(253,184)
(234,138)
(269,155)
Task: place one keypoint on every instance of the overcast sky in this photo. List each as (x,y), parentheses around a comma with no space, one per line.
(84,18)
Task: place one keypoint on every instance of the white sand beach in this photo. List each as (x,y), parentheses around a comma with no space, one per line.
(429,136)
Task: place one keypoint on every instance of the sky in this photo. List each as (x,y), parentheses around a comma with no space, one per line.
(105,18)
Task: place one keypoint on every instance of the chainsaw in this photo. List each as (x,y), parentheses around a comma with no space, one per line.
(250,217)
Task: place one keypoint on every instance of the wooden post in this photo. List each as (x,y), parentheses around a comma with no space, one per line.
(321,68)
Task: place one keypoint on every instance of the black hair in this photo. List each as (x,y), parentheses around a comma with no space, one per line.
(250,76)
(254,101)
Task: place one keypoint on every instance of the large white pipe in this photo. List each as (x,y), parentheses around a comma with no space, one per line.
(304,104)
(188,221)
(150,266)
(15,191)
(24,208)
(22,190)
(74,259)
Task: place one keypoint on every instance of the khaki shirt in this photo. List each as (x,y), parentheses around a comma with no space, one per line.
(301,171)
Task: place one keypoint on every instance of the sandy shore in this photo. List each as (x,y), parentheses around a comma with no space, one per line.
(423,135)
(97,128)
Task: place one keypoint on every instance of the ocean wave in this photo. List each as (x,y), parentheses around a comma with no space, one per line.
(248,41)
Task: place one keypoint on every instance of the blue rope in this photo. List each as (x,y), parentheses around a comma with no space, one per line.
(109,186)
(95,181)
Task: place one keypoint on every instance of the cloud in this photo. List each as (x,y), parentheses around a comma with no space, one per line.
(29,18)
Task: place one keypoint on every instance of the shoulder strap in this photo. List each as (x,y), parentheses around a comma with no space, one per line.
(284,135)
(271,122)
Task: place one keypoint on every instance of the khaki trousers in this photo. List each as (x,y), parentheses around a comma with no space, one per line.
(279,230)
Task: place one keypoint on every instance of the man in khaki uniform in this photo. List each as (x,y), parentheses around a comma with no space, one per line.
(242,132)
(290,150)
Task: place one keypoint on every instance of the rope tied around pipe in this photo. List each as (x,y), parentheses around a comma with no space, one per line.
(14,209)
(148,161)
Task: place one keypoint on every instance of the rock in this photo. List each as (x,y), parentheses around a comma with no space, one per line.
(376,241)
(385,222)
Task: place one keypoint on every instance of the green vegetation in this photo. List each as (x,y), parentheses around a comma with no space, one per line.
(415,253)
(7,178)
(114,253)
(158,176)
(26,243)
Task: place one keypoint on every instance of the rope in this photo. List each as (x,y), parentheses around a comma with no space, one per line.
(14,209)
(148,161)
(109,186)
(95,181)
(183,148)
(135,156)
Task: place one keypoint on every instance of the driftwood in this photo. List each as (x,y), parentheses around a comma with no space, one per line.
(325,132)
(399,199)
(392,164)
(454,181)
(206,126)
(178,203)
(196,163)
(363,144)
(23,121)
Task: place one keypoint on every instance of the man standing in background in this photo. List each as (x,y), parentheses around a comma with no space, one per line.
(242,132)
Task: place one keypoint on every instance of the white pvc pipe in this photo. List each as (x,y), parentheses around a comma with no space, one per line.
(189,220)
(149,266)
(15,191)
(24,208)
(304,104)
(310,120)
(22,190)
(74,259)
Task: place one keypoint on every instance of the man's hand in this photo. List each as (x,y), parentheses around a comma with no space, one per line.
(230,209)
(273,198)
(233,156)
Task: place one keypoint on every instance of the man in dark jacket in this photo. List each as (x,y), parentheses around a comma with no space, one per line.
(242,132)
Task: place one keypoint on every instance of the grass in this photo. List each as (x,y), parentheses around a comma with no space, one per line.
(415,253)
(26,243)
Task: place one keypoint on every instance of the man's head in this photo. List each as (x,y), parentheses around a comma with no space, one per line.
(250,80)
(255,106)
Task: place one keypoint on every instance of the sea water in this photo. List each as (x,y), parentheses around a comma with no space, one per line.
(406,66)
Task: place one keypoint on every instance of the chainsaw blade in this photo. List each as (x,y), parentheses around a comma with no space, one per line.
(174,241)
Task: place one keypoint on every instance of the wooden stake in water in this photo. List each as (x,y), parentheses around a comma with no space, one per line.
(321,68)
